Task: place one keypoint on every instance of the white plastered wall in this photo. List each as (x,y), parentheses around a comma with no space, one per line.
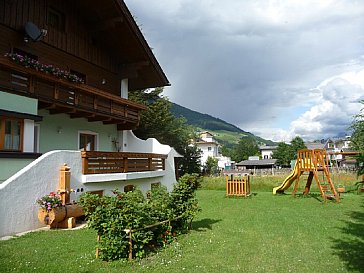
(18,194)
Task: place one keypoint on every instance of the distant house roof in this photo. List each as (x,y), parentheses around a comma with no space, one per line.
(315,145)
(206,142)
(268,147)
(263,162)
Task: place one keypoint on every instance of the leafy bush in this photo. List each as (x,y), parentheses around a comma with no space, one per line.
(184,202)
(111,216)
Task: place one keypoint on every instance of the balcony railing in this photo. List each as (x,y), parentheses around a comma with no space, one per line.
(63,96)
(94,162)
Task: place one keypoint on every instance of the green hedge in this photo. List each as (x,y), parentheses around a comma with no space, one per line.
(110,216)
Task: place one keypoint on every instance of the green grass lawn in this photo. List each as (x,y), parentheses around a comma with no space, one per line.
(263,233)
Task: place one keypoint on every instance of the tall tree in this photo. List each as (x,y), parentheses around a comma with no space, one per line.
(158,122)
(246,147)
(297,144)
(211,166)
(283,154)
(287,152)
(357,139)
(190,163)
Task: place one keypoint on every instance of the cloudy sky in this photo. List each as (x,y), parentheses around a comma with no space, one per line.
(276,68)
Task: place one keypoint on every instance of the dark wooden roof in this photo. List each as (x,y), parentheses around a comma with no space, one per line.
(113,27)
(262,162)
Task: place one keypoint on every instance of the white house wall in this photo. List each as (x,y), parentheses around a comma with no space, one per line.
(18,194)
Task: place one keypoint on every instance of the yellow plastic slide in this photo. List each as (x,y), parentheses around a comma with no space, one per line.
(288,181)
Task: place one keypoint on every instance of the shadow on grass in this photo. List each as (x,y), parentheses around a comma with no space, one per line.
(204,224)
(317,196)
(350,248)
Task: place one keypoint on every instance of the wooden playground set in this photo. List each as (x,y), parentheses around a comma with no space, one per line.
(311,161)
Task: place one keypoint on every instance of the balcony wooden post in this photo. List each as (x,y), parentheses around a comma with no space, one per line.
(56,92)
(150,163)
(126,163)
(77,98)
(84,162)
(95,103)
(31,84)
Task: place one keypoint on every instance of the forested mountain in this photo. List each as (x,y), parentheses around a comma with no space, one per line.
(226,133)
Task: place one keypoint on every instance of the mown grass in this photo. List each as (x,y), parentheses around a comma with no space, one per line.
(263,233)
(268,182)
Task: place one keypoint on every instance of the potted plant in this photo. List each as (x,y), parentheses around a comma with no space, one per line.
(51,208)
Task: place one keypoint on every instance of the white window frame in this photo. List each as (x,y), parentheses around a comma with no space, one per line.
(36,137)
(88,133)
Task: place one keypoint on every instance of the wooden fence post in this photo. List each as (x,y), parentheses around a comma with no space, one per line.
(97,249)
(130,246)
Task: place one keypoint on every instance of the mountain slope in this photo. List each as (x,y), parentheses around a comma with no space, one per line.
(226,133)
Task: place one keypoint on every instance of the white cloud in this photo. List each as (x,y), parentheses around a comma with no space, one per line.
(333,112)
(265,66)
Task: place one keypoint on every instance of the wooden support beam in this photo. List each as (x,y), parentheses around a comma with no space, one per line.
(79,114)
(99,118)
(61,110)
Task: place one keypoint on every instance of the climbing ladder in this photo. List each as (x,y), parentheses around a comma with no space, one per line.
(315,161)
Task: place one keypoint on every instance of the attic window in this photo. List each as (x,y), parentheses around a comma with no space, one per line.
(56,19)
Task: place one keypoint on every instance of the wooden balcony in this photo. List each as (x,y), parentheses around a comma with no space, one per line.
(62,96)
(94,162)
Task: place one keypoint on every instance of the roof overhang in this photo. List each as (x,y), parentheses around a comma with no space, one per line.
(114,29)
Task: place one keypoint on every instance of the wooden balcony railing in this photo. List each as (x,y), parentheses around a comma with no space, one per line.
(94,162)
(63,96)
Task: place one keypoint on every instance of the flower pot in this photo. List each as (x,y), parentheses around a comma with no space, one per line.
(57,215)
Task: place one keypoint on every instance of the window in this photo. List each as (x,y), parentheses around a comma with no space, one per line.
(128,188)
(209,148)
(99,193)
(11,134)
(155,185)
(87,141)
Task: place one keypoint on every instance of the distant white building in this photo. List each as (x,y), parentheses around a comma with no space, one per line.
(267,151)
(209,147)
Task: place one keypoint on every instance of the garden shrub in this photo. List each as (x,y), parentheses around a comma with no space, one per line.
(110,216)
(183,200)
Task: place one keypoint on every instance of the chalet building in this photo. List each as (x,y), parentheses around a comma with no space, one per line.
(209,147)
(65,71)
